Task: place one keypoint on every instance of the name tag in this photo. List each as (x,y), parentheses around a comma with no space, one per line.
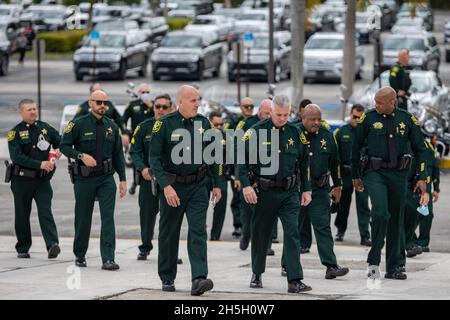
(24,134)
(88,133)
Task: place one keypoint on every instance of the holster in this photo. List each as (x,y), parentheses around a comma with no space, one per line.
(413,181)
(137,177)
(228,171)
(9,171)
(363,165)
(346,170)
(71,170)
(405,162)
(154,186)
(322,181)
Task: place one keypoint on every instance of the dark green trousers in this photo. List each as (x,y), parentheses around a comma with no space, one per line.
(274,204)
(425,222)
(247,211)
(24,191)
(87,191)
(236,206)
(387,191)
(411,220)
(148,210)
(219,211)
(194,202)
(305,232)
(362,209)
(318,212)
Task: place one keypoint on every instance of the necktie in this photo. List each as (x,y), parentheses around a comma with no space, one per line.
(391,141)
(34,140)
(99,140)
(189,127)
(280,174)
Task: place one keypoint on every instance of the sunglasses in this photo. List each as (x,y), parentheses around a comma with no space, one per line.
(161,106)
(145,92)
(248,106)
(101,102)
(356,117)
(218,124)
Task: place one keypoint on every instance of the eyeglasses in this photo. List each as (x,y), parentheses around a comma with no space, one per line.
(101,102)
(161,106)
(356,117)
(248,106)
(145,92)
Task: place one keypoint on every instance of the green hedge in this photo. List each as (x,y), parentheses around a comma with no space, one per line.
(62,41)
(177,23)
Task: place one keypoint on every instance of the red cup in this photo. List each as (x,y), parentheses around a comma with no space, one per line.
(52,157)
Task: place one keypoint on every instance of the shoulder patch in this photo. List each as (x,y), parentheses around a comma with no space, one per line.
(157,126)
(303,139)
(78,110)
(240,125)
(69,127)
(395,69)
(363,116)
(415,121)
(11,135)
(326,125)
(136,130)
(336,132)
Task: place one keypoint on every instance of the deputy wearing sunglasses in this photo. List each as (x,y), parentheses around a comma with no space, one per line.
(94,141)
(138,111)
(111,111)
(140,150)
(344,139)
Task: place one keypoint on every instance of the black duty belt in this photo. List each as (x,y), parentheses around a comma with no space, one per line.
(188,179)
(404,163)
(286,184)
(80,170)
(20,171)
(321,182)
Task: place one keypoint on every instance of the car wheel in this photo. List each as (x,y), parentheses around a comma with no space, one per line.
(143,71)
(199,75)
(277,73)
(78,76)
(358,75)
(216,72)
(4,66)
(231,77)
(121,74)
(447,56)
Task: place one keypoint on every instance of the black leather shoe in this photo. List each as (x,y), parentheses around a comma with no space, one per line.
(256,281)
(179,261)
(168,286)
(243,243)
(418,250)
(304,250)
(396,276)
(410,253)
(24,255)
(425,249)
(142,255)
(335,271)
(270,252)
(53,251)
(200,286)
(275,240)
(339,237)
(132,189)
(366,242)
(237,232)
(296,286)
(80,262)
(402,269)
(110,265)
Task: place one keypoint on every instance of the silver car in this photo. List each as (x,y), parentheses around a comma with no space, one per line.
(426,89)
(408,25)
(323,56)
(447,41)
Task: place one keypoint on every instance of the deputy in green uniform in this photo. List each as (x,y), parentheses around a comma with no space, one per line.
(344,137)
(387,133)
(111,111)
(140,151)
(412,217)
(29,144)
(247,210)
(247,107)
(177,162)
(220,208)
(138,111)
(273,189)
(94,141)
(423,239)
(399,78)
(324,161)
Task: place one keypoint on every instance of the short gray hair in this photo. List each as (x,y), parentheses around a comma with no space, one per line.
(23,102)
(281,101)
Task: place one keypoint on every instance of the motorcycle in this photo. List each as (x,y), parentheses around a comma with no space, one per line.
(126,141)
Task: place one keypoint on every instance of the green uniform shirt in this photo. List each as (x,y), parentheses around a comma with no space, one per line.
(292,149)
(80,137)
(21,149)
(399,80)
(433,170)
(231,124)
(138,111)
(344,138)
(164,140)
(140,144)
(111,112)
(373,127)
(323,154)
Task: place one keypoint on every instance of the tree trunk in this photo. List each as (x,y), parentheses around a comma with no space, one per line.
(155,5)
(298,17)
(348,65)
(90,13)
(227,4)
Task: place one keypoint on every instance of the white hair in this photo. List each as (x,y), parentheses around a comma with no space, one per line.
(281,101)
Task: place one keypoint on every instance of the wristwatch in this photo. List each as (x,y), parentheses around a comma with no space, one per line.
(80,155)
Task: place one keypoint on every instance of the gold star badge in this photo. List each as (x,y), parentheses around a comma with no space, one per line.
(402,125)
(110,130)
(44,131)
(201,130)
(323,143)
(291,142)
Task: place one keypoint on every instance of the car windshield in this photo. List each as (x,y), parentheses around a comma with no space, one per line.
(409,22)
(109,41)
(107,13)
(263,43)
(325,44)
(5,12)
(182,41)
(47,14)
(406,43)
(186,6)
(204,21)
(252,17)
